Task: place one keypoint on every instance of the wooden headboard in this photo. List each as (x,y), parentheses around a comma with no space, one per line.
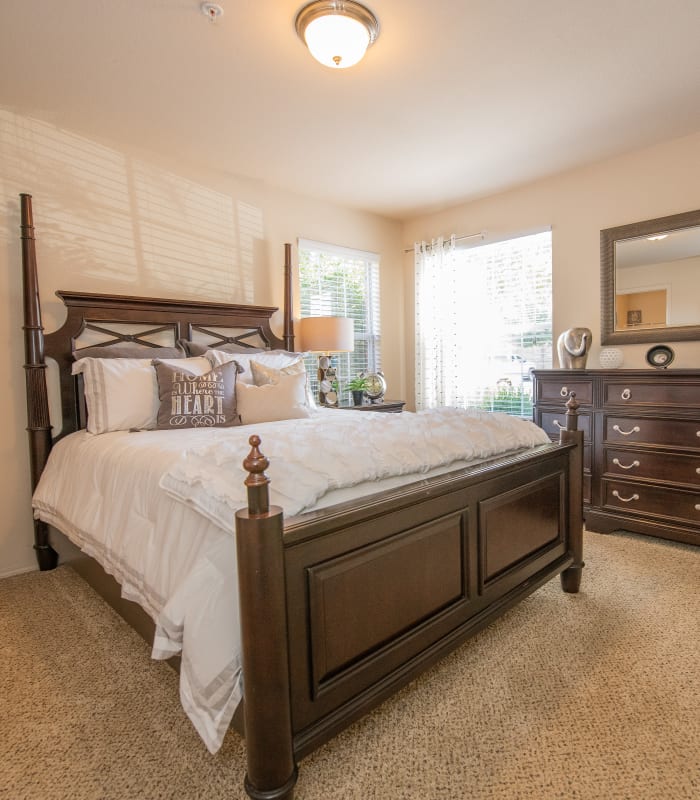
(144,318)
(123,319)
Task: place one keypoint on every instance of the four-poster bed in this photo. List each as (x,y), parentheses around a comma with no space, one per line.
(339,606)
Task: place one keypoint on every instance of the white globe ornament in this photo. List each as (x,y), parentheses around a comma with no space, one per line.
(611,357)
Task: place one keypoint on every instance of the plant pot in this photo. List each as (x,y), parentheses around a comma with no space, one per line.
(358,397)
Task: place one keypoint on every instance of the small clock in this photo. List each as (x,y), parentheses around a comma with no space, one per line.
(660,356)
(376,386)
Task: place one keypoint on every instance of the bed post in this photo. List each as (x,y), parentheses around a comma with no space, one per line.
(271,773)
(38,423)
(571,577)
(288,310)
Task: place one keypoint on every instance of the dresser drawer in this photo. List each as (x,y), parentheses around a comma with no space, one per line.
(684,433)
(643,499)
(551,390)
(671,394)
(655,466)
(553,421)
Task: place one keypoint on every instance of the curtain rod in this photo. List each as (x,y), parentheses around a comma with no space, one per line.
(481,235)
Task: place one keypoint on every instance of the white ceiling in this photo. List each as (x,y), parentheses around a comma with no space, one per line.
(457,99)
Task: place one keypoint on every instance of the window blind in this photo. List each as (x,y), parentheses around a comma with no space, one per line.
(483,322)
(340,282)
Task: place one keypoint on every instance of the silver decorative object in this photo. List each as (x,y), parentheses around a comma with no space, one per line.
(573,346)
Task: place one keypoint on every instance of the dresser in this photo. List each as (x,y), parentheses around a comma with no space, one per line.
(641,445)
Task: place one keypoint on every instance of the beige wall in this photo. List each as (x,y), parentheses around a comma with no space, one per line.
(112,221)
(109,220)
(649,183)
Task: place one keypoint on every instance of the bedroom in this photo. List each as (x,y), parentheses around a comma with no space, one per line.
(99,184)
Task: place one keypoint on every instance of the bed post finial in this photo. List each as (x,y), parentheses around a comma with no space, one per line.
(572,407)
(38,423)
(262,594)
(257,482)
(571,577)
(288,310)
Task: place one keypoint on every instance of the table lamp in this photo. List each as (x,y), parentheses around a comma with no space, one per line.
(327,335)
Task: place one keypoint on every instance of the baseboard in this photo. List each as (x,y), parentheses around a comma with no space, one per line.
(20,571)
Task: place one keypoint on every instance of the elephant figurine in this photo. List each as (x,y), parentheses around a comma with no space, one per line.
(572,348)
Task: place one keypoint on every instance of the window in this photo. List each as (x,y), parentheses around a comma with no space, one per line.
(339,282)
(483,322)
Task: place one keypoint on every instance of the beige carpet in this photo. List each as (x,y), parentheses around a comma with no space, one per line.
(571,697)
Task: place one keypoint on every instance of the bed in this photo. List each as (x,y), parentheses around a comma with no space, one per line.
(338,606)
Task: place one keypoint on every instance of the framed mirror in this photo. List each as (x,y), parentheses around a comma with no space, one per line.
(650,280)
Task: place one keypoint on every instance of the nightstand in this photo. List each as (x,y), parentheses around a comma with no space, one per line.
(387,406)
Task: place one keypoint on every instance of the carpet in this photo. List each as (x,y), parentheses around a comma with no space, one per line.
(578,697)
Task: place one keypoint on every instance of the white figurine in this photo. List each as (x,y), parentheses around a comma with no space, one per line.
(573,346)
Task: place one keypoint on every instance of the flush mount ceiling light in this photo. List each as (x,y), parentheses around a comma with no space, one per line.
(337,32)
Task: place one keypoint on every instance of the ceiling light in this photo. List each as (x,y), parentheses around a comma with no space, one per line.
(657,238)
(337,32)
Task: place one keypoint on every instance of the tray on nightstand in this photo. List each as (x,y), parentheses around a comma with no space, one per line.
(387,406)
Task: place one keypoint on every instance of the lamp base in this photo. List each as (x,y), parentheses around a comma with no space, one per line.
(327,382)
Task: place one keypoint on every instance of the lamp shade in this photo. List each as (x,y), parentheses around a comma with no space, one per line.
(327,334)
(337,41)
(337,32)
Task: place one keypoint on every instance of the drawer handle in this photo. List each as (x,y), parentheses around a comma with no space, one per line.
(625,499)
(697,506)
(564,392)
(558,424)
(616,462)
(636,429)
(626,394)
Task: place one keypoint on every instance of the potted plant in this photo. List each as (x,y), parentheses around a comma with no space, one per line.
(357,386)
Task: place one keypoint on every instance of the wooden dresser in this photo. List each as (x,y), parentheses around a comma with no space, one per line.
(642,445)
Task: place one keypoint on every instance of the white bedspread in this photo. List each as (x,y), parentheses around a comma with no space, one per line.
(105,493)
(334,450)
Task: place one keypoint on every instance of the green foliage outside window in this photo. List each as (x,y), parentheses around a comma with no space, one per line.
(508,399)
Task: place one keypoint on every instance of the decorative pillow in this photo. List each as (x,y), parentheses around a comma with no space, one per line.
(197,349)
(269,358)
(129,350)
(285,399)
(122,393)
(262,374)
(190,400)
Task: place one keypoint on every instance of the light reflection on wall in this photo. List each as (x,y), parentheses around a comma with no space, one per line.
(108,222)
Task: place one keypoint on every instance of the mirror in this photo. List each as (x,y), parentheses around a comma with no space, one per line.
(650,280)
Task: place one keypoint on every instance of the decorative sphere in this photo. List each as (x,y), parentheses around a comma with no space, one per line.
(611,357)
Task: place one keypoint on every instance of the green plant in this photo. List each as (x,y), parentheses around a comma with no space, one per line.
(511,400)
(357,384)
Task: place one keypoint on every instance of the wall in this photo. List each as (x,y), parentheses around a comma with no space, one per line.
(641,185)
(114,221)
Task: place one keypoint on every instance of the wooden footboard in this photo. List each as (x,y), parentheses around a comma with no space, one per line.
(355,602)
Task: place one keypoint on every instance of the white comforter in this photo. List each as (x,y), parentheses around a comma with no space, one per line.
(173,550)
(334,450)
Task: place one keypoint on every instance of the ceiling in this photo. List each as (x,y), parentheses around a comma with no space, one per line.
(456,100)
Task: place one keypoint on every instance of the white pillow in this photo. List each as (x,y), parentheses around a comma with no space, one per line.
(276,359)
(122,393)
(285,399)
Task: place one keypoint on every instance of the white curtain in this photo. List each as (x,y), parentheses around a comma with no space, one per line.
(439,346)
(483,322)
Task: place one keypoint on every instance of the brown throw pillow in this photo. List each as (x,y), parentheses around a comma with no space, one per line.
(197,349)
(197,401)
